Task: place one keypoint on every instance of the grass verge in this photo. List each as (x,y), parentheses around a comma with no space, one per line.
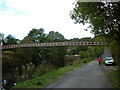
(42,81)
(113,77)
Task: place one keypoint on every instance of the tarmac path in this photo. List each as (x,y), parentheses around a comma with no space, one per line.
(89,76)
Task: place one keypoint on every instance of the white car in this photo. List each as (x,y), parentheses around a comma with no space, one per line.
(109,61)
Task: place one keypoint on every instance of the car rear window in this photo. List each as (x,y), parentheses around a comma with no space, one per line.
(109,58)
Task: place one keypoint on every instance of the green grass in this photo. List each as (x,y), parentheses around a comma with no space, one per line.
(113,78)
(42,81)
(103,62)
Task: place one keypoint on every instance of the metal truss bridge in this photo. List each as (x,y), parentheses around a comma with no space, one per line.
(51,44)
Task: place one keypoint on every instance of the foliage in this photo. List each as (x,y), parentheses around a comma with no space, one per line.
(75,50)
(10,40)
(113,78)
(70,59)
(43,69)
(83,54)
(103,17)
(95,51)
(35,36)
(9,62)
(55,36)
(58,58)
(42,55)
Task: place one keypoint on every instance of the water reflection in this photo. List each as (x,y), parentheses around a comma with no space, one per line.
(12,76)
(7,84)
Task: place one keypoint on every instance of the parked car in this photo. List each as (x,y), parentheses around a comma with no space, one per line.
(109,61)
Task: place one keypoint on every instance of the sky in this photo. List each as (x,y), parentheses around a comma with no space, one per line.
(18,17)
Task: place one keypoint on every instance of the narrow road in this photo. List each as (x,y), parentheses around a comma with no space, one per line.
(89,76)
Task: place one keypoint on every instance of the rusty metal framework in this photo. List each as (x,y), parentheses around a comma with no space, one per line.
(50,44)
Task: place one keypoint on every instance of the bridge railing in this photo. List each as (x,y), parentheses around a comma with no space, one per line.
(50,44)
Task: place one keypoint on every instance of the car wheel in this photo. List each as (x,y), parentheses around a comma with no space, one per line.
(105,64)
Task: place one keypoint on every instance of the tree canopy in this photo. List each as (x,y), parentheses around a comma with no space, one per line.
(103,17)
(55,36)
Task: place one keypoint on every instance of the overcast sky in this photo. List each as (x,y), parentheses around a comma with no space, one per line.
(18,17)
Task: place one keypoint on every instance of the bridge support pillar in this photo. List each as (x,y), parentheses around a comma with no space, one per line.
(0,69)
(107,52)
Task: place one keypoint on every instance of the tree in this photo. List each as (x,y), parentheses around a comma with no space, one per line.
(77,49)
(57,53)
(103,17)
(10,40)
(45,55)
(1,38)
(55,36)
(35,36)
